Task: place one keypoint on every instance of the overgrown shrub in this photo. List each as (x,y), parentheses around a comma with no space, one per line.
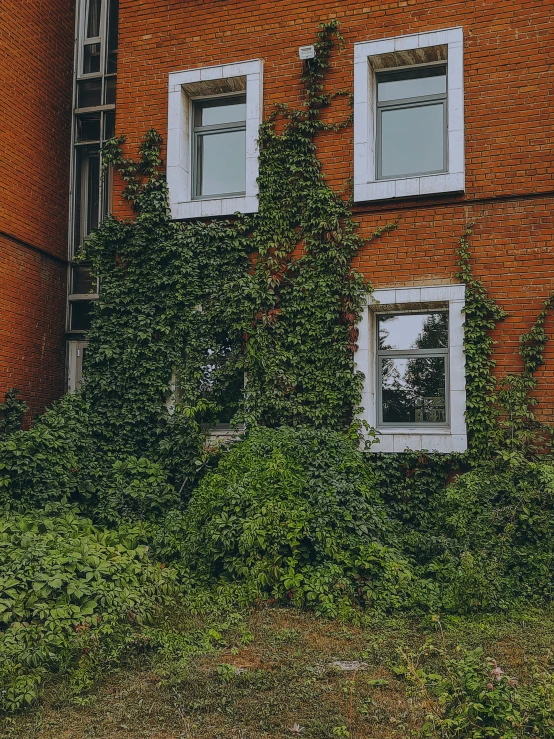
(12,411)
(68,588)
(295,515)
(499,523)
(465,696)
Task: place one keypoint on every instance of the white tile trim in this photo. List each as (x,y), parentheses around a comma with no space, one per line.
(452,438)
(179,144)
(366,187)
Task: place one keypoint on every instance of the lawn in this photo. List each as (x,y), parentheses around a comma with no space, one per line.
(273,670)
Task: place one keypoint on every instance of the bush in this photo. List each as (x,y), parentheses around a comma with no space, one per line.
(67,588)
(295,515)
(470,697)
(481,542)
(499,522)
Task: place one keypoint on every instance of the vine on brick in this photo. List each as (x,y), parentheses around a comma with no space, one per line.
(499,413)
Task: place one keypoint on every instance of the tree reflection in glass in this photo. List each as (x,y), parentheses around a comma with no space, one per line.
(413,351)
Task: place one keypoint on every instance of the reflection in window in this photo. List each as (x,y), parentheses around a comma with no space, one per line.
(93,18)
(87,191)
(220,146)
(412,357)
(411,122)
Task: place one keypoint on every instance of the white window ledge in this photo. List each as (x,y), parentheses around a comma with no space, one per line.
(401,51)
(204,82)
(451,438)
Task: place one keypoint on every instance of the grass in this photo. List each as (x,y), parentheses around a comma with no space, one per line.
(274,670)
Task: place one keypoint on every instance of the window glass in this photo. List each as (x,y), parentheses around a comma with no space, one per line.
(109,124)
(413,389)
(93,18)
(80,315)
(413,331)
(91,59)
(88,127)
(412,140)
(82,282)
(221,163)
(111,61)
(89,93)
(216,112)
(418,82)
(87,194)
(109,91)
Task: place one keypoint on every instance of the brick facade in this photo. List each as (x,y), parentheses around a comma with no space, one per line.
(36,58)
(509,96)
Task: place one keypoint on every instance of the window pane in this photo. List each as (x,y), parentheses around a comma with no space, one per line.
(413,390)
(93,192)
(109,91)
(88,127)
(411,83)
(413,331)
(222,163)
(93,18)
(109,124)
(91,60)
(87,194)
(412,140)
(89,93)
(111,62)
(80,315)
(226,110)
(82,282)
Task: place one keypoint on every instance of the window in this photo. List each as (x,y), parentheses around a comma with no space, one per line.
(411,122)
(411,355)
(219,146)
(214,114)
(91,188)
(412,367)
(408,116)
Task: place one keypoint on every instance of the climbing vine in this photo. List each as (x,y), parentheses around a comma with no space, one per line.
(499,412)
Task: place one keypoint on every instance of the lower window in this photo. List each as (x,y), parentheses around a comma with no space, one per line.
(412,367)
(411,355)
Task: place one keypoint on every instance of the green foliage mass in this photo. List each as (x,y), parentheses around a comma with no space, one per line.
(480,543)
(66,589)
(295,512)
(12,411)
(294,515)
(466,695)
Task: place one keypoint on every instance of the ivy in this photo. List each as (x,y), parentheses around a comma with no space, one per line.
(271,296)
(482,315)
(12,411)
(499,412)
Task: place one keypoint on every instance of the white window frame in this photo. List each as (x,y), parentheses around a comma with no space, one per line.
(441,438)
(205,82)
(393,53)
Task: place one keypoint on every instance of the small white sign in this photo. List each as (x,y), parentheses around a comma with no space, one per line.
(306,52)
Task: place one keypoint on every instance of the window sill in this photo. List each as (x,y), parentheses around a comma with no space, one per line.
(436,440)
(212,207)
(408,187)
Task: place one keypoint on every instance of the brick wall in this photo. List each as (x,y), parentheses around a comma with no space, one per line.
(36,58)
(509,96)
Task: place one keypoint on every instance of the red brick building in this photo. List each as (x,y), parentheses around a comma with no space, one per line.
(453,123)
(36,63)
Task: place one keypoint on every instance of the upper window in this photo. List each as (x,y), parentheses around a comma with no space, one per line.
(408,116)
(98,36)
(411,122)
(212,152)
(219,147)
